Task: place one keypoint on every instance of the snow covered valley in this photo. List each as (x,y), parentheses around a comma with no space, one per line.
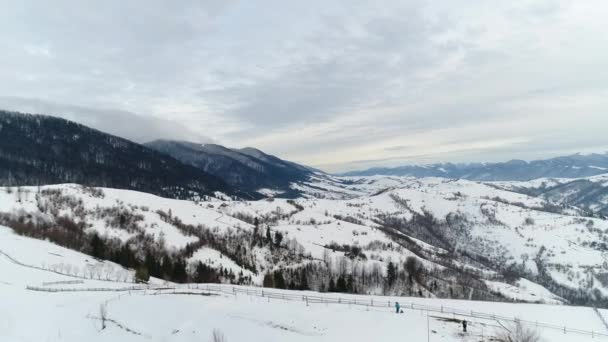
(451,250)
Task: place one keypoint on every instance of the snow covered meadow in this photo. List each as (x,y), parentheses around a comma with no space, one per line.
(185,313)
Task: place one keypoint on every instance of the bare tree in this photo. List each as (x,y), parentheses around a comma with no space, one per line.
(518,332)
(218,336)
(103,315)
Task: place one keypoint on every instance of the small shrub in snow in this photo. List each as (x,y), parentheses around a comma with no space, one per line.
(218,336)
(142,275)
(518,332)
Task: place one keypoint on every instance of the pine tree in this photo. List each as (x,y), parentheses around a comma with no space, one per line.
(254,238)
(332,286)
(341,284)
(126,257)
(391,273)
(167,267)
(279,281)
(304,281)
(142,275)
(152,265)
(97,247)
(278,237)
(268,280)
(205,274)
(179,271)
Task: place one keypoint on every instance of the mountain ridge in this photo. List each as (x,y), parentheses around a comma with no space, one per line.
(571,166)
(247,168)
(39,149)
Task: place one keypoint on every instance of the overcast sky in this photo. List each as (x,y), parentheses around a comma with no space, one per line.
(337,85)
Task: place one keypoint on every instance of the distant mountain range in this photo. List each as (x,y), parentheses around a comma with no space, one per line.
(573,166)
(248,169)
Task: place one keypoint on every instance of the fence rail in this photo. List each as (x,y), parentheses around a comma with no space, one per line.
(387,304)
(83,277)
(63,282)
(312,299)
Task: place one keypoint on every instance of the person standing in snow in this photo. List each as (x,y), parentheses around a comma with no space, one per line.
(464,326)
(397,307)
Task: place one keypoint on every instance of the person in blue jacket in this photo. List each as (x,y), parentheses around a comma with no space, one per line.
(397,307)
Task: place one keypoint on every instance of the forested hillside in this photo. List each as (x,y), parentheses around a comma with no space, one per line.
(248,169)
(38,149)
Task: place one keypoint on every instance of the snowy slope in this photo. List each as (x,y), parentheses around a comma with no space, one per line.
(150,315)
(590,193)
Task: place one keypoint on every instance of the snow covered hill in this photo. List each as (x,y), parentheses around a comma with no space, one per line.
(590,193)
(39,304)
(442,238)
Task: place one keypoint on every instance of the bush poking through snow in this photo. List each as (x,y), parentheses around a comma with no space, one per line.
(218,336)
(518,332)
(142,275)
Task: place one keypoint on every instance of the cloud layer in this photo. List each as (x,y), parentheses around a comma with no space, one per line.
(337,85)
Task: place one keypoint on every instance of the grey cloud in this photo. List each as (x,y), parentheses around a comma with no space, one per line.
(399,148)
(356,76)
(124,124)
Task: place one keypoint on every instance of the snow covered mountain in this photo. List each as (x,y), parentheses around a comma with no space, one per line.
(573,166)
(248,168)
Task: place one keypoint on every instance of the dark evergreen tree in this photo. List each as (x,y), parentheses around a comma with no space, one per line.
(206,274)
(142,275)
(268,280)
(256,231)
(279,281)
(391,273)
(98,248)
(341,285)
(180,274)
(127,257)
(332,286)
(152,265)
(304,281)
(278,238)
(167,267)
